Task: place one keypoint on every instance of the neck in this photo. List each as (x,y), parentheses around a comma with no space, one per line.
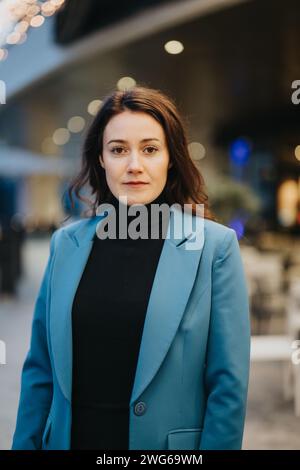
(160,199)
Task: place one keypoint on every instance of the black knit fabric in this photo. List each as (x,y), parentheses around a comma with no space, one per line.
(108,316)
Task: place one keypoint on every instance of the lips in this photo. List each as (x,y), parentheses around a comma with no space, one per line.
(136,182)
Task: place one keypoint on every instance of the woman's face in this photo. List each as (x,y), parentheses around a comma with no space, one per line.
(135,150)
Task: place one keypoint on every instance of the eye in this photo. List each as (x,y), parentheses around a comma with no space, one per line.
(117,148)
(153,148)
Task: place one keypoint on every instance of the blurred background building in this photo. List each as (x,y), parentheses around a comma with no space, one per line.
(230,65)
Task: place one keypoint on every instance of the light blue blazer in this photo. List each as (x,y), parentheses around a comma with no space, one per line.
(191,381)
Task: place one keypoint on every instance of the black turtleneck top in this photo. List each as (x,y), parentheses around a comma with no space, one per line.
(108,315)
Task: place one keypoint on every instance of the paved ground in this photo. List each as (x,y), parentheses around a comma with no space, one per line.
(270,422)
(15,326)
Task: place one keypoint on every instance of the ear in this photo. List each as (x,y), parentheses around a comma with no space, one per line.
(101,161)
(170,165)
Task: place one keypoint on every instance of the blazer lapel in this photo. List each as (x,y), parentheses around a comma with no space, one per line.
(173,282)
(70,260)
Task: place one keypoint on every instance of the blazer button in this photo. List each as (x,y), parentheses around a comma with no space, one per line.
(140,408)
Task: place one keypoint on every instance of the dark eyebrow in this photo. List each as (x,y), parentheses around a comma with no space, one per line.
(121,141)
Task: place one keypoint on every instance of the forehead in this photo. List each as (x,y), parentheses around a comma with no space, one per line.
(133,126)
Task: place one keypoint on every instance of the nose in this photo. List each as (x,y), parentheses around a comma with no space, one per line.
(134,163)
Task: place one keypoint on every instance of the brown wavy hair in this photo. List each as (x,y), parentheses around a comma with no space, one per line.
(185,183)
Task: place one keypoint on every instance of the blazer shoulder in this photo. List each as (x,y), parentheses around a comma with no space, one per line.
(71,227)
(216,229)
(68,229)
(218,237)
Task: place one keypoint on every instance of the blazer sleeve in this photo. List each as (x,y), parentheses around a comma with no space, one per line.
(228,351)
(36,378)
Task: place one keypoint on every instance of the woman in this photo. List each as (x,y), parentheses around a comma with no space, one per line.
(138,343)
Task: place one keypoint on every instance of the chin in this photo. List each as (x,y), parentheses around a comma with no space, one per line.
(138,199)
(132,201)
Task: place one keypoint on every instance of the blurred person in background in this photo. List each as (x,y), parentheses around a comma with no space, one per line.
(11,239)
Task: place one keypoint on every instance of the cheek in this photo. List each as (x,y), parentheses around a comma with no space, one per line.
(113,170)
(159,167)
(165,163)
(162,169)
